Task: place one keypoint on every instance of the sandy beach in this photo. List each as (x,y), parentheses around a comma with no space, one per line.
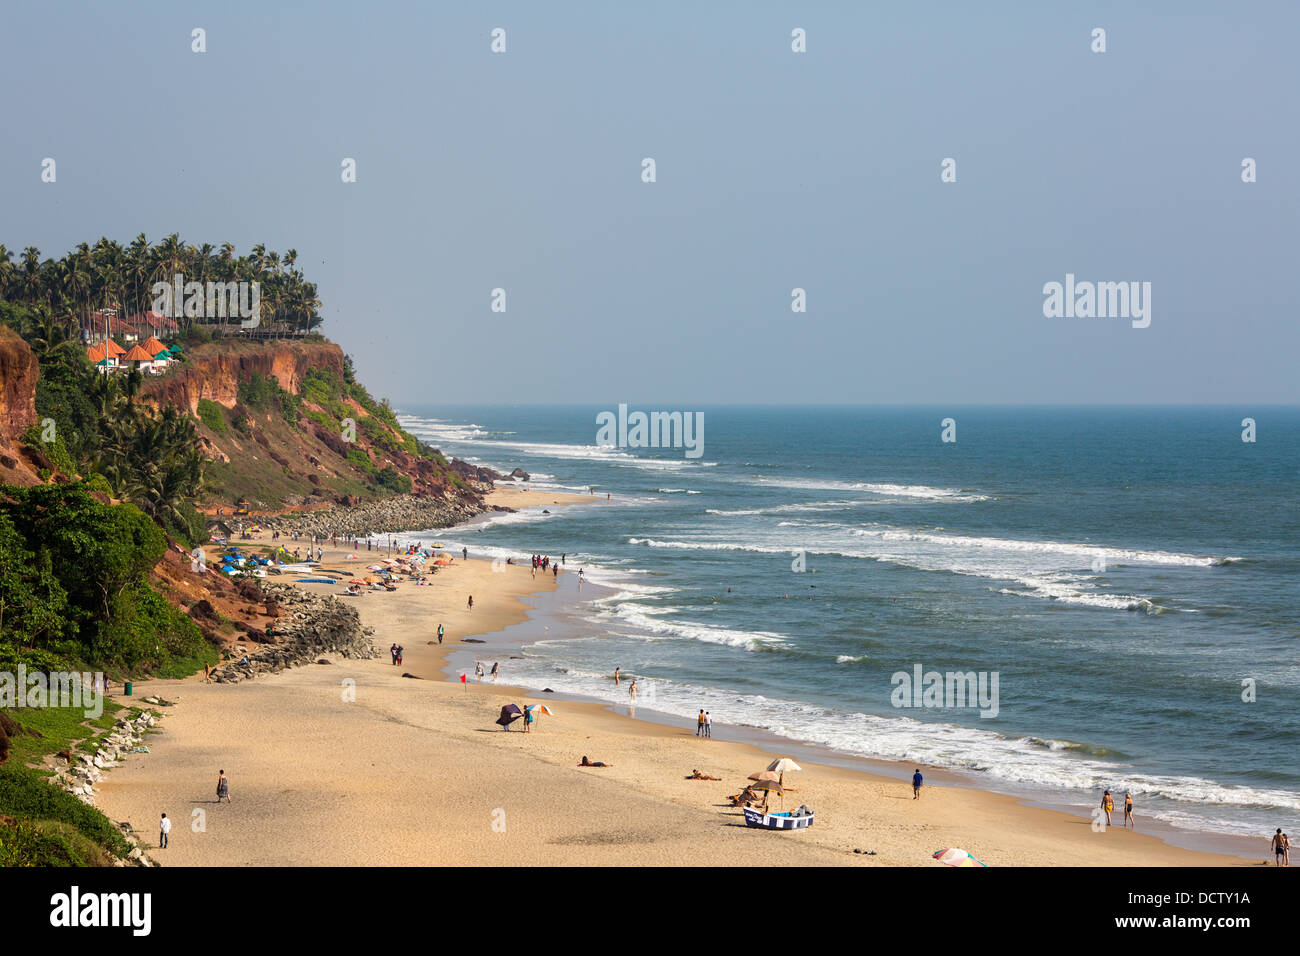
(350,763)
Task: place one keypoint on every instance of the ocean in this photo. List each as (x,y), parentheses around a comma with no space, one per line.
(1127,575)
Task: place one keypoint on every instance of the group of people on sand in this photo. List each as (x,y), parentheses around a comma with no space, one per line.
(704,724)
(544,562)
(396,652)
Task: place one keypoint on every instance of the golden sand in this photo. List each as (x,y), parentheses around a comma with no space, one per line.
(352,764)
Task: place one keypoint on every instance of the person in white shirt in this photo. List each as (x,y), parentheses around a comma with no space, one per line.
(164,828)
(708,724)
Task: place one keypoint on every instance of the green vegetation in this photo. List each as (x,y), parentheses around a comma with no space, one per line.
(263,392)
(146,457)
(210,415)
(55,828)
(74,576)
(110,275)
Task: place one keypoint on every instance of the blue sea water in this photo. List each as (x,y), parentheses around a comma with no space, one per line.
(1128,573)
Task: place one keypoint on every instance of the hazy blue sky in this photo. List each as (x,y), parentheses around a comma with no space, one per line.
(775,170)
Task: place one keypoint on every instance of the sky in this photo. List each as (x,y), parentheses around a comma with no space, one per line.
(775,170)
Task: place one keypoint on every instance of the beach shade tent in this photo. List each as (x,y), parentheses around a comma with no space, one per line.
(509,714)
(767,788)
(541,709)
(765,776)
(781,766)
(956,857)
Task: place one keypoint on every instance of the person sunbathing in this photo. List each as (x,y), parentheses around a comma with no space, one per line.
(696,775)
(593,763)
(744,798)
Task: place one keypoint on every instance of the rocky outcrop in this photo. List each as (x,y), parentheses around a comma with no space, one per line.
(18,374)
(214,371)
(309,625)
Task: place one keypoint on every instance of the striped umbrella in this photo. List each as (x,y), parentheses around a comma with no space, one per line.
(955,857)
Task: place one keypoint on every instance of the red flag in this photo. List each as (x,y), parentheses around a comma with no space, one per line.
(462,678)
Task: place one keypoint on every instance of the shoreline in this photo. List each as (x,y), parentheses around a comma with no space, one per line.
(552,604)
(367,764)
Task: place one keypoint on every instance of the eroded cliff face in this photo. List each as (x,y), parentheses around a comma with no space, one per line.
(18,375)
(215,371)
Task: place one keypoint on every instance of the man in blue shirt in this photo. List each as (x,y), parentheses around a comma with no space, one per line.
(916,785)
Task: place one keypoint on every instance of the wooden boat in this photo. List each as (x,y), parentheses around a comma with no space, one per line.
(776,821)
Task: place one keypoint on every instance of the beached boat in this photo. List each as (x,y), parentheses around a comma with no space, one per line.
(777,821)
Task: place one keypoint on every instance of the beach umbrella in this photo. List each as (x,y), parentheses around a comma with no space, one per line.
(782,766)
(765,775)
(955,857)
(509,714)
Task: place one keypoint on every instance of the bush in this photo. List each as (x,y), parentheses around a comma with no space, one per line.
(25,793)
(392,480)
(210,414)
(56,451)
(360,458)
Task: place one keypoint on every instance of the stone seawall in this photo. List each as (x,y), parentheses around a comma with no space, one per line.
(400,513)
(309,625)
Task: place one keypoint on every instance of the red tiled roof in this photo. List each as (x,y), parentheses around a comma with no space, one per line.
(137,354)
(113,348)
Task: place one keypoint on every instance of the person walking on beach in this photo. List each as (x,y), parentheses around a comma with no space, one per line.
(1108,804)
(1281,848)
(393,653)
(631,691)
(478,671)
(495,670)
(223,786)
(1128,809)
(400,648)
(471,602)
(464,554)
(164,828)
(439,633)
(699,724)
(708,725)
(917,781)
(555,570)
(616,677)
